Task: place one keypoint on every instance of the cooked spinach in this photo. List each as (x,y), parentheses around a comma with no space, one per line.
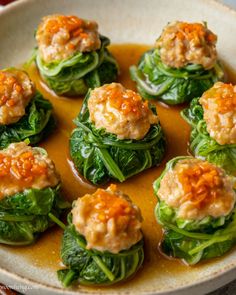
(155,80)
(36,124)
(24,215)
(74,75)
(93,267)
(193,240)
(204,146)
(100,156)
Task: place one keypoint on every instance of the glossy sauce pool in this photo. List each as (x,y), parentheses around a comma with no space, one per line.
(45,253)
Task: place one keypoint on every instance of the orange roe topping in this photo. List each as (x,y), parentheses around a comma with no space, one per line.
(108,205)
(23,167)
(193,31)
(127,101)
(72,24)
(201,184)
(7,81)
(223,94)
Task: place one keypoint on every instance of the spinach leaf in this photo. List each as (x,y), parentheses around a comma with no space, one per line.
(24,215)
(36,124)
(204,146)
(93,267)
(100,156)
(168,215)
(31,201)
(193,240)
(155,80)
(75,75)
(193,249)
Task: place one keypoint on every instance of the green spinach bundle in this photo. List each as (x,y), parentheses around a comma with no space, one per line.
(100,156)
(155,80)
(36,124)
(204,146)
(93,267)
(74,75)
(24,215)
(193,240)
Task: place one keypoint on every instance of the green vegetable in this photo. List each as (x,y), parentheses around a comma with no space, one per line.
(93,267)
(24,215)
(193,240)
(155,80)
(205,147)
(74,75)
(100,156)
(36,124)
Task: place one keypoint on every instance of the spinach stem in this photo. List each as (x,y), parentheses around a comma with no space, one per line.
(110,164)
(56,220)
(209,243)
(103,267)
(68,278)
(193,235)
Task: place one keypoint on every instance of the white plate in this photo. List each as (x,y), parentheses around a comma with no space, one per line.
(130,21)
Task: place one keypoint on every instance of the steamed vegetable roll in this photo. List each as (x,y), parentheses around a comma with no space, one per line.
(118,135)
(196,207)
(29,191)
(24,113)
(213,121)
(103,243)
(181,66)
(72,56)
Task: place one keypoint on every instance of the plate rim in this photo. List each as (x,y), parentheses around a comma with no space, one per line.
(37,286)
(222,275)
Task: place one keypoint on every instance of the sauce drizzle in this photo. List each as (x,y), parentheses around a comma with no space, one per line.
(45,253)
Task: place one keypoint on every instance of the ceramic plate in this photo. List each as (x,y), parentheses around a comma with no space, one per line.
(126,21)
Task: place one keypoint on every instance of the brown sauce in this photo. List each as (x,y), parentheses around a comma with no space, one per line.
(45,253)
